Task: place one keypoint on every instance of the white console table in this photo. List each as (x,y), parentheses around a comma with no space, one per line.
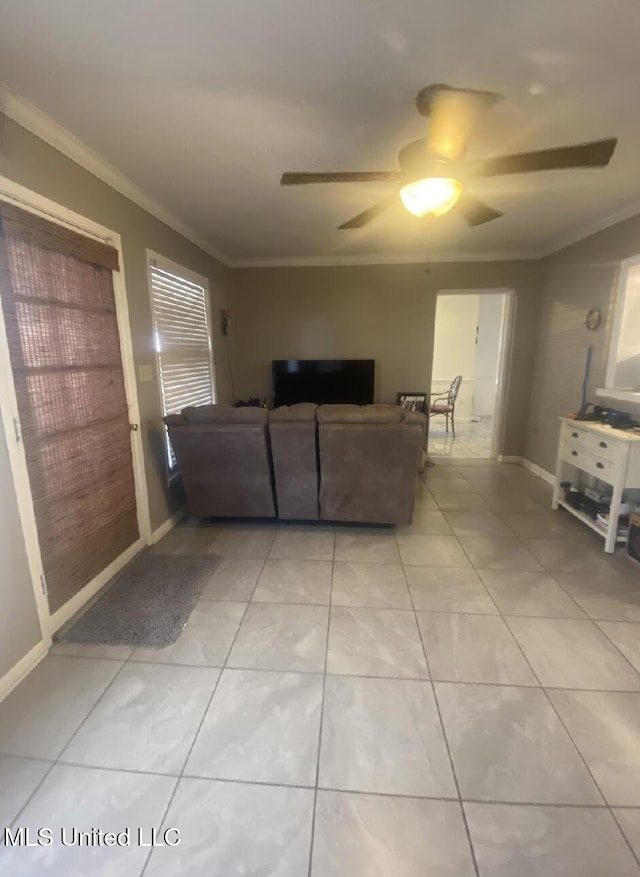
(612,455)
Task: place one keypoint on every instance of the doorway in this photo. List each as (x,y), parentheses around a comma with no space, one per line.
(471,336)
(70,392)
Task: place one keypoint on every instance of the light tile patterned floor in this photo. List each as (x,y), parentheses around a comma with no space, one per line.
(457,697)
(472,438)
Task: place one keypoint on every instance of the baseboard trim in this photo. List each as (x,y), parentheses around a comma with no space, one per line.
(82,600)
(168,525)
(508,458)
(24,666)
(538,470)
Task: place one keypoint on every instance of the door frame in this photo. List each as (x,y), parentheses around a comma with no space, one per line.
(507,335)
(50,622)
(505,355)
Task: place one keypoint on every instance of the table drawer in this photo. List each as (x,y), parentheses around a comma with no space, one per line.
(605,448)
(578,456)
(574,437)
(606,470)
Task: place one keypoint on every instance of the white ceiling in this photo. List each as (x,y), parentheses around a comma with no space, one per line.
(203,103)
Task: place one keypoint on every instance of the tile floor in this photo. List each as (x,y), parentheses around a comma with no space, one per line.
(472,438)
(454,698)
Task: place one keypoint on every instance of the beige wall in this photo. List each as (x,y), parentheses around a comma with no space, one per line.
(19,627)
(34,164)
(384,312)
(574,280)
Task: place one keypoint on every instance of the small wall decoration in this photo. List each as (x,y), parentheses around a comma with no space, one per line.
(412,401)
(593,319)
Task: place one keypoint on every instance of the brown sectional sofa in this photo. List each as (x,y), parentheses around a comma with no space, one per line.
(224,459)
(345,463)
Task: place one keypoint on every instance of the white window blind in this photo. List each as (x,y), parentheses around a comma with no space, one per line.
(182,339)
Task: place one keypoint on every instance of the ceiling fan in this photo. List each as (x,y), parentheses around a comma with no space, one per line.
(433,176)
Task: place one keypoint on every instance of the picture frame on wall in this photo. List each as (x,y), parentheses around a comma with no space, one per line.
(412,401)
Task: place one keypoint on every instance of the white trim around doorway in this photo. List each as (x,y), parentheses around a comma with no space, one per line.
(49,623)
(507,336)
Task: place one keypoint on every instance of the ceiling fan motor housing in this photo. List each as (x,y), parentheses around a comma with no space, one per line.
(416,162)
(426,96)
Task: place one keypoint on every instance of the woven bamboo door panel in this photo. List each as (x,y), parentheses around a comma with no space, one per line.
(60,317)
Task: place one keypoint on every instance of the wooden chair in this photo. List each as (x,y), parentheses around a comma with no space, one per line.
(446,403)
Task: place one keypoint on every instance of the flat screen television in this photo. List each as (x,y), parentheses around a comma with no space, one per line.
(323,381)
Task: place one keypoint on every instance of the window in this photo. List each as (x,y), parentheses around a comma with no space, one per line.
(624,356)
(182,340)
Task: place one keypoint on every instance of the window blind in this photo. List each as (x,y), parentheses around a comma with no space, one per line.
(182,340)
(28,227)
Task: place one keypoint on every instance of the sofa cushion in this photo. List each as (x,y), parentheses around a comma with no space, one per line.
(368,470)
(174,420)
(302,412)
(294,454)
(225,468)
(377,414)
(415,418)
(220,414)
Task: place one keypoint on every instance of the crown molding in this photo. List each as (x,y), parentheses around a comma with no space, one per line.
(34,120)
(591,228)
(375,259)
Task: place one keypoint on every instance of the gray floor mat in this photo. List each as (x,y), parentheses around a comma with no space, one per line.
(148,605)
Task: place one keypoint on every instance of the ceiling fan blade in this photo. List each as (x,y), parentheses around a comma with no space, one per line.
(476,212)
(595,154)
(371,212)
(453,112)
(301,179)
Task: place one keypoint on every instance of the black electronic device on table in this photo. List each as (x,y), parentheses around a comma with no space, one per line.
(613,418)
(589,411)
(617,419)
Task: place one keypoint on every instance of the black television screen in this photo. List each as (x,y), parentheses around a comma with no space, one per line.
(323,381)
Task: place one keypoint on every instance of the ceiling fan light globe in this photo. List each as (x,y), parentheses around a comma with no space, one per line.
(431,196)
